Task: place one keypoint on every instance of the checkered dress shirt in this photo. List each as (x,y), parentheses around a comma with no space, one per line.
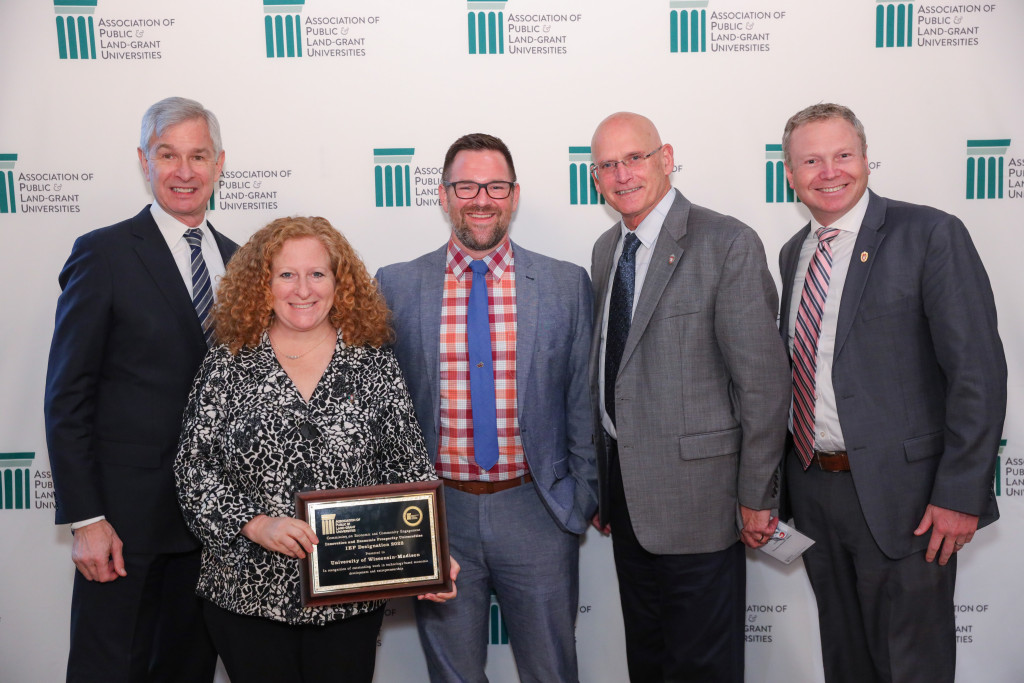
(455,451)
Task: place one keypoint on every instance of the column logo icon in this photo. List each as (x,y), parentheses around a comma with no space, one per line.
(688,21)
(999,468)
(391,177)
(497,631)
(15,480)
(894,23)
(486,25)
(986,171)
(76,31)
(581,189)
(283,27)
(776,187)
(7,204)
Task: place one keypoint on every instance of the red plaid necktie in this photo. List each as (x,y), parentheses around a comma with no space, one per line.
(805,343)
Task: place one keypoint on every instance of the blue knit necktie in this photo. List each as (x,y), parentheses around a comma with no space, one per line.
(481,371)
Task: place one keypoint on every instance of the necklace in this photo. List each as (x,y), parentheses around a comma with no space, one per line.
(290,356)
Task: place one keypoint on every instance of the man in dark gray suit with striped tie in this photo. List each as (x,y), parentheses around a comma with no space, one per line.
(899,392)
(132,325)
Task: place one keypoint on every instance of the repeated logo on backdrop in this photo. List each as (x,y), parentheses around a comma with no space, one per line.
(900,23)
(688,30)
(7,200)
(986,168)
(761,622)
(392,183)
(76,30)
(21,488)
(291,34)
(1009,479)
(968,616)
(81,35)
(999,468)
(16,480)
(282,27)
(497,632)
(486,27)
(47,191)
(490,31)
(249,189)
(776,187)
(581,189)
(698,26)
(894,24)
(398,183)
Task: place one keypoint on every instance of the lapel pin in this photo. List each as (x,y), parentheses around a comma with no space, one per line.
(863,257)
(671,259)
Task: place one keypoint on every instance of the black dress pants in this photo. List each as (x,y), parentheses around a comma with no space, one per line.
(683,614)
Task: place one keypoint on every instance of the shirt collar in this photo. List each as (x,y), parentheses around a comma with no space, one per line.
(170,227)
(498,261)
(849,221)
(649,228)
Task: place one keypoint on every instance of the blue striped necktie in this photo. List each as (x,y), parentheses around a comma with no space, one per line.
(202,288)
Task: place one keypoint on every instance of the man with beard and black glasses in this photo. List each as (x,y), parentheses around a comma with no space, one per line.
(493,342)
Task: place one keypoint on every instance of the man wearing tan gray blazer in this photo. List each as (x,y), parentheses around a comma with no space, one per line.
(690,382)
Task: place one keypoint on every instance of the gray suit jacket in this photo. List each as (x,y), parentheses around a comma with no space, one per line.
(919,371)
(553,308)
(703,385)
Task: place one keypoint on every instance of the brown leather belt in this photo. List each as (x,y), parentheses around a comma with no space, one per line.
(832,461)
(479,487)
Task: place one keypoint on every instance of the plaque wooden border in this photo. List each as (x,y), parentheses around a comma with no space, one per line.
(433,490)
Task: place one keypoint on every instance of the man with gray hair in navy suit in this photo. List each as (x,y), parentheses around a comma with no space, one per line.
(133,324)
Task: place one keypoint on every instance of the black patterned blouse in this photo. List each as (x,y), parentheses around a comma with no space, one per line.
(249,442)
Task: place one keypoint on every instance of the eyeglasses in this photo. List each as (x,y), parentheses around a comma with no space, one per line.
(468,189)
(607,168)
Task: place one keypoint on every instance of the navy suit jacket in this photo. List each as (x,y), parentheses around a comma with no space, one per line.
(553,326)
(919,371)
(126,347)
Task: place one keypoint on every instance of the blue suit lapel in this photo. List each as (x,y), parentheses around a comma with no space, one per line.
(151,248)
(227,247)
(865,254)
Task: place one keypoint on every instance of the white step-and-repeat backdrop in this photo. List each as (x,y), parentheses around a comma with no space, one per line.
(344,109)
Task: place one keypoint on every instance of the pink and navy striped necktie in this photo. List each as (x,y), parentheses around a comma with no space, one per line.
(805,343)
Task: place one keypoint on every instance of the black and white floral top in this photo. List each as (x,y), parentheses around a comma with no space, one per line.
(249,442)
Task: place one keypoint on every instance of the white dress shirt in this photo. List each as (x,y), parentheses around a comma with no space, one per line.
(173,231)
(828,434)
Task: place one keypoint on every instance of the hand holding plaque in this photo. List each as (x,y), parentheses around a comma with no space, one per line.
(375,542)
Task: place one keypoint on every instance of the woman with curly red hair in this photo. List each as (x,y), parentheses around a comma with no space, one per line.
(299,394)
